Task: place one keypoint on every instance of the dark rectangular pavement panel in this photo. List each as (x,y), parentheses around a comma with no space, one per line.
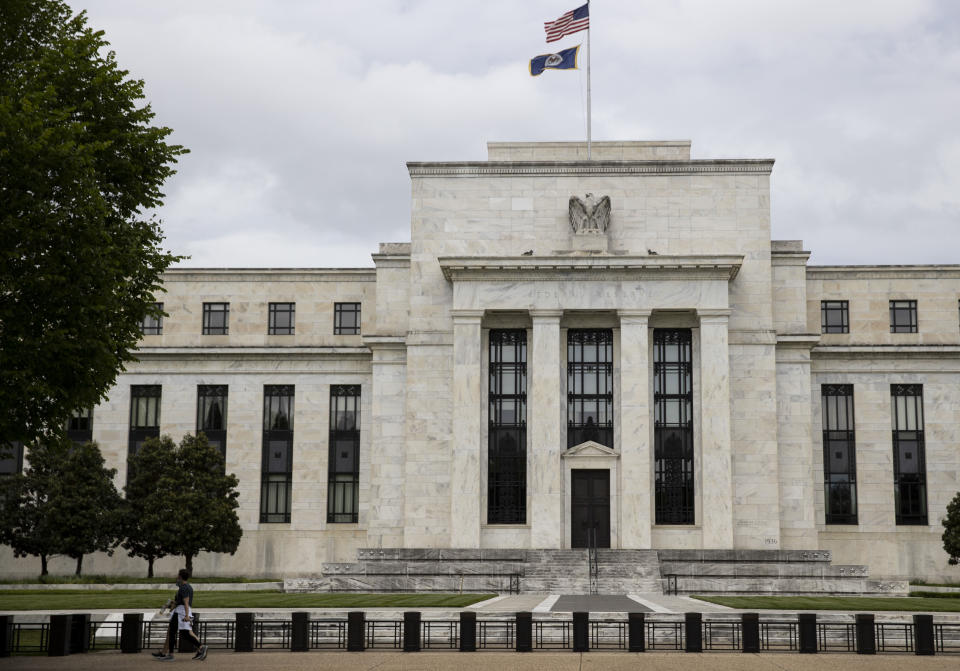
(597,603)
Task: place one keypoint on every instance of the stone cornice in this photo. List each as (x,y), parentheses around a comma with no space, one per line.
(565,268)
(937,272)
(887,351)
(586,168)
(270,275)
(255,352)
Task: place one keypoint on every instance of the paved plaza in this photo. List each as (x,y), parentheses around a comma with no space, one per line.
(484,661)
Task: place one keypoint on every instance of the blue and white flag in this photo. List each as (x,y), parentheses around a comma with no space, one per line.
(562,60)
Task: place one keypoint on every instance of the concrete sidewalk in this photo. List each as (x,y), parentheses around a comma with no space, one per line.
(484,661)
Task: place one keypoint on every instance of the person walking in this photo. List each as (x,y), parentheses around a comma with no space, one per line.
(181,620)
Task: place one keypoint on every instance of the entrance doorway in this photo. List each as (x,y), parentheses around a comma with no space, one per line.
(589,507)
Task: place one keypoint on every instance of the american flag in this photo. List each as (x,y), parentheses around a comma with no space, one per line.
(573,21)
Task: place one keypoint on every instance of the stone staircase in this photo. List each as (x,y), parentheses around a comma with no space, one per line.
(628,572)
(556,572)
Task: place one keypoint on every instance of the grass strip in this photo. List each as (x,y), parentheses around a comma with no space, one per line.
(865,604)
(81,600)
(936,595)
(125,580)
(924,583)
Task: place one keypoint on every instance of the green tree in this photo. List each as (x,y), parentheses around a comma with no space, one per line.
(951,533)
(80,261)
(84,506)
(26,524)
(149,512)
(206,501)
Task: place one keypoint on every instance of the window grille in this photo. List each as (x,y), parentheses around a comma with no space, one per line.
(673,425)
(11,458)
(507,428)
(590,386)
(153,324)
(909,458)
(216,318)
(80,426)
(839,454)
(903,316)
(834,317)
(343,465)
(212,415)
(144,418)
(281,318)
(346,318)
(276,480)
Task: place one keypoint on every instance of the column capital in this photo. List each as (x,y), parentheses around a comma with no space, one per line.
(631,316)
(716,316)
(467,316)
(545,315)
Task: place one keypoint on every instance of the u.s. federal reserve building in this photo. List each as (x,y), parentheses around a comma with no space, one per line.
(568,354)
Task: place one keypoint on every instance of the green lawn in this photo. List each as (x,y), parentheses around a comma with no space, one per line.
(852,604)
(124,580)
(80,601)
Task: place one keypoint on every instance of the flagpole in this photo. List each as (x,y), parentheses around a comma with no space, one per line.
(589,63)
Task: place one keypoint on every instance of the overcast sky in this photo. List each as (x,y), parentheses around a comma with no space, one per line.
(300,114)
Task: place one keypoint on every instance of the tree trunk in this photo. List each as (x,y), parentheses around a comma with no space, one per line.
(189,563)
(79,564)
(43,565)
(150,567)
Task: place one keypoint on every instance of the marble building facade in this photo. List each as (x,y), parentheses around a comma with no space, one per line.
(669,377)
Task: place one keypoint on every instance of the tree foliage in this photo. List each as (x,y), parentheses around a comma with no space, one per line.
(80,261)
(180,502)
(65,503)
(951,533)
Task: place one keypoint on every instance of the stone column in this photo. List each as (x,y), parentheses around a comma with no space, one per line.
(465,475)
(717,482)
(634,417)
(545,438)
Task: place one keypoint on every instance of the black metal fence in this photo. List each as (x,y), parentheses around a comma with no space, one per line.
(66,634)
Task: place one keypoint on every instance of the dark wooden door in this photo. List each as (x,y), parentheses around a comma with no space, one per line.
(590,507)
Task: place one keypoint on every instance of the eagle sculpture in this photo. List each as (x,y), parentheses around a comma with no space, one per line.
(590,215)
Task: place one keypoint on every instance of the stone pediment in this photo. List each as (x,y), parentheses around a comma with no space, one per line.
(590,449)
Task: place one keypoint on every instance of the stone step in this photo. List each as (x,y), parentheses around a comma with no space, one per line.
(767,585)
(770,569)
(744,555)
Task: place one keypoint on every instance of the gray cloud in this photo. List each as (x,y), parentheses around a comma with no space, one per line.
(301,114)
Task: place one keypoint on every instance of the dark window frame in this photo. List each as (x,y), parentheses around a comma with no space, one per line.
(207,396)
(829,310)
(152,325)
(276,470)
(839,449)
(273,311)
(343,469)
(507,427)
(16,459)
(80,426)
(674,501)
(907,325)
(144,418)
(340,310)
(583,374)
(210,310)
(910,488)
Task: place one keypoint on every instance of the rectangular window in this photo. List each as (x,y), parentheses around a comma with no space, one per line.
(11,458)
(343,465)
(212,415)
(909,458)
(507,430)
(276,479)
(673,425)
(216,318)
(839,454)
(903,316)
(80,426)
(153,325)
(834,317)
(346,318)
(590,386)
(281,318)
(144,418)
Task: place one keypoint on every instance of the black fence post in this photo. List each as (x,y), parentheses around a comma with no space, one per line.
(923,643)
(411,631)
(581,632)
(185,643)
(468,631)
(243,633)
(58,636)
(636,634)
(300,632)
(356,624)
(131,632)
(524,632)
(750,632)
(866,634)
(693,628)
(807,632)
(79,632)
(6,635)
